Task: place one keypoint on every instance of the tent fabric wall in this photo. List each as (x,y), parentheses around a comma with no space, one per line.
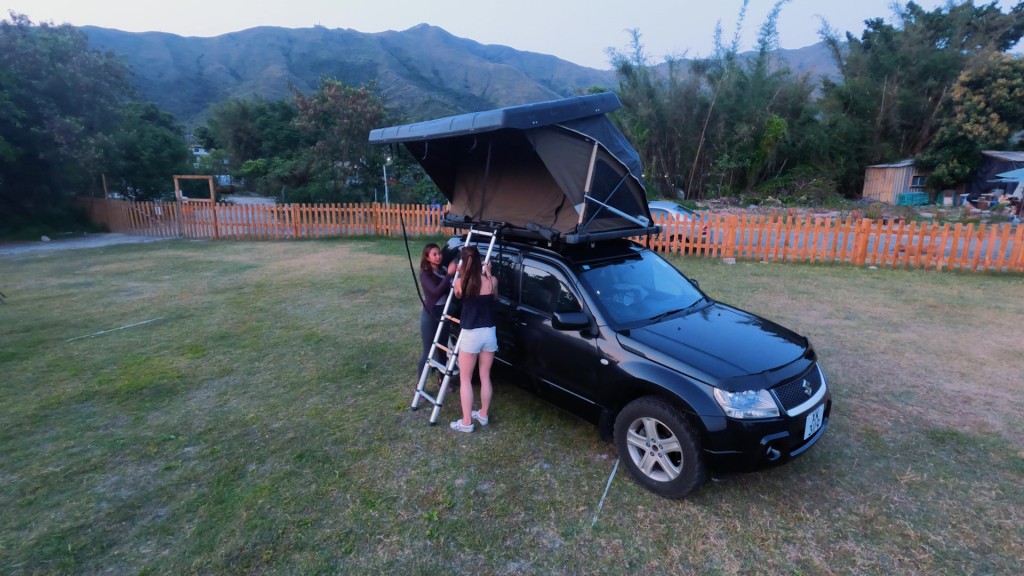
(514,188)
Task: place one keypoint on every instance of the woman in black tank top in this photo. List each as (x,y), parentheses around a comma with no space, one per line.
(478,291)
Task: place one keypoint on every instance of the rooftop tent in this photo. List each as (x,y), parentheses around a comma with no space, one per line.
(559,166)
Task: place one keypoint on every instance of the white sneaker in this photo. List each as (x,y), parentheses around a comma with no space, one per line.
(458,426)
(483,420)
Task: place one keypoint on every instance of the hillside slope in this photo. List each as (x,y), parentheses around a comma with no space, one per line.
(423,72)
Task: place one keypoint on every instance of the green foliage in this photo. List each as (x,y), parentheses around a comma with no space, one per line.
(899,82)
(150,149)
(305,149)
(244,130)
(723,124)
(986,110)
(60,104)
(805,185)
(68,117)
(336,120)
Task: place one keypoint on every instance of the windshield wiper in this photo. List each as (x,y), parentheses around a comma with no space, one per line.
(664,315)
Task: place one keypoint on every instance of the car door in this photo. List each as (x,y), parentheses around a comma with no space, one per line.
(564,362)
(505,267)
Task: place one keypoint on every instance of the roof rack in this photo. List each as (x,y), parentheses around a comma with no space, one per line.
(502,229)
(536,232)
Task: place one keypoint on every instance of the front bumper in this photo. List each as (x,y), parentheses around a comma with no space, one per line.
(747,445)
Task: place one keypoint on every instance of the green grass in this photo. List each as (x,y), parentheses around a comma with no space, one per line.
(260,423)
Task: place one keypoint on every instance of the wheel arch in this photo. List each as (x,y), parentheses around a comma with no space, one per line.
(692,398)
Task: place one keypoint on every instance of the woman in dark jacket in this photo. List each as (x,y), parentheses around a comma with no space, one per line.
(436,284)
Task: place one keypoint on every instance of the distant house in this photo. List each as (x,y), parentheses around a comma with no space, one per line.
(197,155)
(986,178)
(901,183)
(896,183)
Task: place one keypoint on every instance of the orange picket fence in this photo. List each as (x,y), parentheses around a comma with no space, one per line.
(225,220)
(856,241)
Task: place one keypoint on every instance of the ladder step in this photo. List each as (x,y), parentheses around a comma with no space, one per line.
(452,319)
(446,349)
(443,368)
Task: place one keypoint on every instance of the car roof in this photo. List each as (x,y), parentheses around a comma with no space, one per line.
(668,204)
(671,207)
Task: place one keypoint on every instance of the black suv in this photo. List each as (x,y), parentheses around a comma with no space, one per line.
(615,334)
(601,325)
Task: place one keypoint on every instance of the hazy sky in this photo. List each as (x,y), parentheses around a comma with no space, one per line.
(580,31)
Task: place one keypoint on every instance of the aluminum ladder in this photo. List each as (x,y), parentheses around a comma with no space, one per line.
(449,369)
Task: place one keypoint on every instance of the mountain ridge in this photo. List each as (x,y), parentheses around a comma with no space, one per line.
(422,72)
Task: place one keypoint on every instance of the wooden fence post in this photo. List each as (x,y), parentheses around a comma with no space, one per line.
(860,242)
(1016,263)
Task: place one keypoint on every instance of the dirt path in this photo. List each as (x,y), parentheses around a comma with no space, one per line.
(86,241)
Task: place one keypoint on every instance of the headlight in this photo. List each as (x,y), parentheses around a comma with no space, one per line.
(748,404)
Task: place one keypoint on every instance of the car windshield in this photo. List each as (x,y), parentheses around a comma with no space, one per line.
(639,288)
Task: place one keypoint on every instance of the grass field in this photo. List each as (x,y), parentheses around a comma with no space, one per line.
(242,408)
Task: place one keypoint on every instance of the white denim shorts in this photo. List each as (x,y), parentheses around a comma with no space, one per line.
(476,340)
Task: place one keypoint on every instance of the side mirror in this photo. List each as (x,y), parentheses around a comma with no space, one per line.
(570,321)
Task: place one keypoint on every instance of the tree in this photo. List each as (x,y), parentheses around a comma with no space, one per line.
(259,141)
(60,101)
(148,148)
(721,125)
(337,120)
(986,111)
(898,80)
(252,129)
(309,148)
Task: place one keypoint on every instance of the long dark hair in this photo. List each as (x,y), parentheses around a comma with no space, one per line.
(471,272)
(425,264)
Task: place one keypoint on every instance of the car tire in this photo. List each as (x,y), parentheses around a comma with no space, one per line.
(659,447)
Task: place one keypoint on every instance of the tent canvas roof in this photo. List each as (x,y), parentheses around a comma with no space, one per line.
(558,166)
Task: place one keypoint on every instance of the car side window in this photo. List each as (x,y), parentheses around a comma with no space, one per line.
(543,291)
(503,268)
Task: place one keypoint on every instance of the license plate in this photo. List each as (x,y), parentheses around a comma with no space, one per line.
(813,421)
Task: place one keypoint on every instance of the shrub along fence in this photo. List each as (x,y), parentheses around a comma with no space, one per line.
(856,241)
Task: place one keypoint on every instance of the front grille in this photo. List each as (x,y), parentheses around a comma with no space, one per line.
(793,393)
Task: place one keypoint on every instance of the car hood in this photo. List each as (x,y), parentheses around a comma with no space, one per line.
(723,346)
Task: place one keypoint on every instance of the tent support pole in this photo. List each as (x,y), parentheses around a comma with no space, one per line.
(634,219)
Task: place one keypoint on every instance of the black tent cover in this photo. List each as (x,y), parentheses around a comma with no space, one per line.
(558,168)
